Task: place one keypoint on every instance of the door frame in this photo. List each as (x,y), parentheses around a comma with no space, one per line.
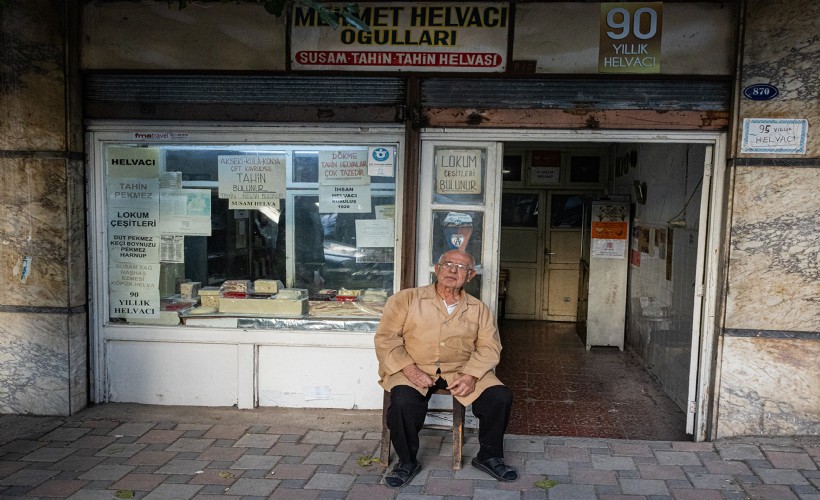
(711,244)
(487,267)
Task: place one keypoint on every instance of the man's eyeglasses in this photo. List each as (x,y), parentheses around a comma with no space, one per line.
(459,268)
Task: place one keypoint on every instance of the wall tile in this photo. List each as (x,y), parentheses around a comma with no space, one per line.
(768,389)
(34,374)
(146,35)
(33,224)
(779,50)
(32,116)
(773,263)
(77,235)
(78,361)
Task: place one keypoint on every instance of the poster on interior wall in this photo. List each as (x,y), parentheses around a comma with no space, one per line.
(630,37)
(608,240)
(634,250)
(405,36)
(253,180)
(643,239)
(660,242)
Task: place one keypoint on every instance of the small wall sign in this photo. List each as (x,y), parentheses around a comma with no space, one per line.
(760,92)
(771,135)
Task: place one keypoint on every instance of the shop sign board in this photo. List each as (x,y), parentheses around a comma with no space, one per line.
(630,37)
(405,36)
(772,135)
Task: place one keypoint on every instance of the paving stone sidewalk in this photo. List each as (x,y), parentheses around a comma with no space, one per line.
(135,451)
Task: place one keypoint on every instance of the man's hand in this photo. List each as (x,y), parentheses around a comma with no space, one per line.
(463,385)
(417,377)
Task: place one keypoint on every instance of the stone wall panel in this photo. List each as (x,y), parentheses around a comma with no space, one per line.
(774,260)
(33,224)
(34,374)
(781,49)
(32,77)
(768,388)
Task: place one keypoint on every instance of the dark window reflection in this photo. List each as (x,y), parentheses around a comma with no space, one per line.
(519,209)
(567,211)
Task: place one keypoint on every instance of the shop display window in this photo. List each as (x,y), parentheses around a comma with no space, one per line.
(199,232)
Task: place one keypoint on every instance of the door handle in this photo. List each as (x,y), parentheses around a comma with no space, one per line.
(547,253)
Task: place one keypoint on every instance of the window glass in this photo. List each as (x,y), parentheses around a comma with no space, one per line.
(519,209)
(512,168)
(585,169)
(567,211)
(462,230)
(222,231)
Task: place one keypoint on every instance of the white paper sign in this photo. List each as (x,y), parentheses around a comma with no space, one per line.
(133,220)
(256,178)
(185,212)
(545,175)
(343,167)
(386,211)
(784,136)
(374,233)
(344,199)
(134,304)
(131,277)
(380,161)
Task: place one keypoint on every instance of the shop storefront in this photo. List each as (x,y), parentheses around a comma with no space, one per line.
(253,188)
(235,254)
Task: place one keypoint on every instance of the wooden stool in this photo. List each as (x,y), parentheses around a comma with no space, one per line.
(458,428)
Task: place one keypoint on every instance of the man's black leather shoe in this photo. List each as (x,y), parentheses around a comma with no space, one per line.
(402,474)
(497,468)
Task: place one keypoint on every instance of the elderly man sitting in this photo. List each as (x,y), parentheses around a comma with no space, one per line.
(435,337)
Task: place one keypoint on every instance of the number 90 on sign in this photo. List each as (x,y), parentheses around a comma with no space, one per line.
(643,24)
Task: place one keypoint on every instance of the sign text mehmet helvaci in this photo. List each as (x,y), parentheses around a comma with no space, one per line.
(434,36)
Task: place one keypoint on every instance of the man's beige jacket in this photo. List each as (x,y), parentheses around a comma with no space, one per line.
(415,328)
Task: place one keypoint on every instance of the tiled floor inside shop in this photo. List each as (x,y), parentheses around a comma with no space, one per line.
(561,389)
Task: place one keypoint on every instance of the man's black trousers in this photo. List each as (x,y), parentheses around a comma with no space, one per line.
(408,409)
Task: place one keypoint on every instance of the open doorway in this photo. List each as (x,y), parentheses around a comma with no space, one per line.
(560,388)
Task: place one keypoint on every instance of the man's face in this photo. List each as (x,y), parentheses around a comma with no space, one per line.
(454,270)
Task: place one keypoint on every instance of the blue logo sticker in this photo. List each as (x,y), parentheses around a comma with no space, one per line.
(381,154)
(761,92)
